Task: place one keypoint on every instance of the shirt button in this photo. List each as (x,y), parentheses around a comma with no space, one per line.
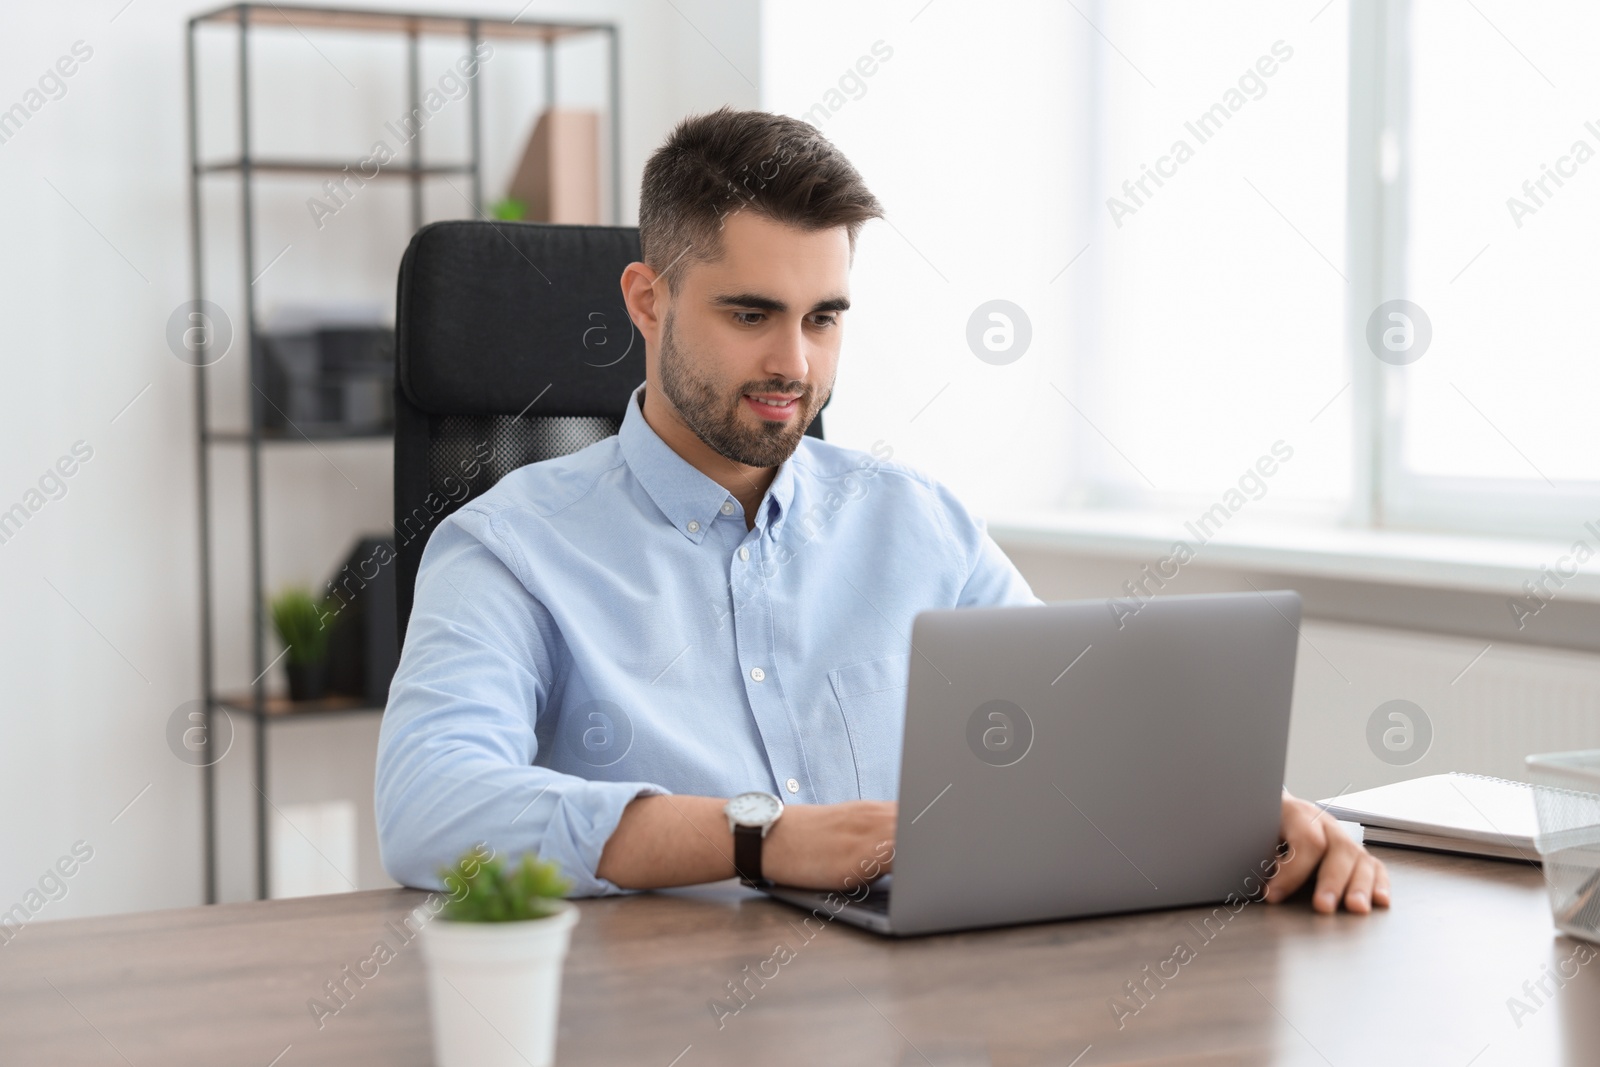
(694,527)
(744,554)
(727,507)
(758,674)
(792,786)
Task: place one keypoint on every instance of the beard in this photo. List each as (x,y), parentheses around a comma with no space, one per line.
(717,415)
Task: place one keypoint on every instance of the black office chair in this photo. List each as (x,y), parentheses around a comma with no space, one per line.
(512,345)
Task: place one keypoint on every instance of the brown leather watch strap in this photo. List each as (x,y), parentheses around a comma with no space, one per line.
(747,855)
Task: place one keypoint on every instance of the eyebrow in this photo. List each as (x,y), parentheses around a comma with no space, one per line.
(766,303)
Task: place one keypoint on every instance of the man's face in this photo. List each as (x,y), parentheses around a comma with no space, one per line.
(758,326)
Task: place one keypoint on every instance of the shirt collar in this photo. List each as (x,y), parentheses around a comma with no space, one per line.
(689,499)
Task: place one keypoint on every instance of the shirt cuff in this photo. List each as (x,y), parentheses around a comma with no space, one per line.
(585,821)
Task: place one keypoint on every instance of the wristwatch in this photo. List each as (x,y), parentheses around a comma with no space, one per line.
(750,816)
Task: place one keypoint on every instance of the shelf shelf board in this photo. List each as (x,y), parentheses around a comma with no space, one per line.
(295,17)
(312,433)
(393,169)
(284,708)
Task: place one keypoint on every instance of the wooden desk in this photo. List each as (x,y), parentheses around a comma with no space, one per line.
(1425,983)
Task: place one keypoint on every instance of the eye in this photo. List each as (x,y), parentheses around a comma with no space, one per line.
(825,321)
(748,318)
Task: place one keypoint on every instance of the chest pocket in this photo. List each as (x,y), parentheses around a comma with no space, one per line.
(872,701)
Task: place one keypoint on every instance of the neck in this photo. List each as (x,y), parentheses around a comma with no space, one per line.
(747,484)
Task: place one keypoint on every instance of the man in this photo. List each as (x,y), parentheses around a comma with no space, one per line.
(606,647)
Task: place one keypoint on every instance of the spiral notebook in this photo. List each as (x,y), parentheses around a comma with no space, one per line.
(1470,813)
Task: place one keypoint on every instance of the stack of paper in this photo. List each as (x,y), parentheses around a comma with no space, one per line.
(1469,813)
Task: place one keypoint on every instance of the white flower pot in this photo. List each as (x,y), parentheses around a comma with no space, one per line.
(495,989)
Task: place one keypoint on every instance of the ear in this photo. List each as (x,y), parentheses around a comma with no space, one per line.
(645,299)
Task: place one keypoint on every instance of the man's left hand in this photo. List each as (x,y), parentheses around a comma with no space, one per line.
(1344,870)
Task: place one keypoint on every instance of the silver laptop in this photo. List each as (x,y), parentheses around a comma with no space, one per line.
(1084,758)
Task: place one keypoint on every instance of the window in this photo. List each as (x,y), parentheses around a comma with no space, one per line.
(1216,331)
(1499,167)
(1203,208)
(1433,153)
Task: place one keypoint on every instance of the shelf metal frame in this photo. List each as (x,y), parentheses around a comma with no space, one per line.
(248,18)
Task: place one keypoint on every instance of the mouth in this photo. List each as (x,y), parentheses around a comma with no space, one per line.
(773,406)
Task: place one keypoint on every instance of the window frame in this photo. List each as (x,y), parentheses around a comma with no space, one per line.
(1381,49)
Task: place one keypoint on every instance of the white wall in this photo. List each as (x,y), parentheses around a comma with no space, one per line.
(98,642)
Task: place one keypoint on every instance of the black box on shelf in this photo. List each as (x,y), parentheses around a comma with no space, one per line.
(364,645)
(336,380)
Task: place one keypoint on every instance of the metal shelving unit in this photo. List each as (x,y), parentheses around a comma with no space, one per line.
(246,19)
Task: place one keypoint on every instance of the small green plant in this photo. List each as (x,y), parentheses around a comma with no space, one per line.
(509,210)
(297,616)
(486,891)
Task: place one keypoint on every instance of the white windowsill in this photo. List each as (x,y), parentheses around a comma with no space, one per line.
(1395,557)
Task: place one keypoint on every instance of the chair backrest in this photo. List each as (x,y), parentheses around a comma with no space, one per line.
(512,345)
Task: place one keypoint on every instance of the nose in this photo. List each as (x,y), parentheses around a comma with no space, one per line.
(787,359)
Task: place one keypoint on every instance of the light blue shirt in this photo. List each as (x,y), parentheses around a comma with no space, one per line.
(602,626)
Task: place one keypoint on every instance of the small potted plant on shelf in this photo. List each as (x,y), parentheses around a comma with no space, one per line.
(509,209)
(297,617)
(494,957)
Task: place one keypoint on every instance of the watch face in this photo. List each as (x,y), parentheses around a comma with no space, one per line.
(754,809)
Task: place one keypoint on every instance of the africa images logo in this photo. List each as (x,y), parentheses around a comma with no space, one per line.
(998,332)
(1399,332)
(597,732)
(1000,733)
(1399,732)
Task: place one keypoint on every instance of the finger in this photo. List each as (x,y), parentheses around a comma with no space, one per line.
(1334,875)
(1358,894)
(1380,885)
(1306,843)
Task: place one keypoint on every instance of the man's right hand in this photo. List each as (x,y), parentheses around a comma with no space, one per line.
(830,846)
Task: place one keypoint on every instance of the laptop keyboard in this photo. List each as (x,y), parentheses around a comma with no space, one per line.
(876,900)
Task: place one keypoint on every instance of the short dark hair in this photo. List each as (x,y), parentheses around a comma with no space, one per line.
(713,165)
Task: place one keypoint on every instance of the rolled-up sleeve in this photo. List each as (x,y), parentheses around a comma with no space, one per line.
(457,745)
